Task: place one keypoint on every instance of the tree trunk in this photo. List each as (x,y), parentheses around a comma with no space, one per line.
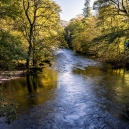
(29,55)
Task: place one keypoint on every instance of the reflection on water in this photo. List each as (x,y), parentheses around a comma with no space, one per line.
(78,93)
(112,85)
(32,89)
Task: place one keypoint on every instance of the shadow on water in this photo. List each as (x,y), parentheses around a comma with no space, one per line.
(31,90)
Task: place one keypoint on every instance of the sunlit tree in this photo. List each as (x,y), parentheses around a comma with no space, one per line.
(10,45)
(113,25)
(38,25)
(121,7)
(80,32)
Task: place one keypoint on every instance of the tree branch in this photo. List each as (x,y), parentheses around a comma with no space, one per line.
(26,10)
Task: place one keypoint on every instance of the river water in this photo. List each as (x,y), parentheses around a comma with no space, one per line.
(75,93)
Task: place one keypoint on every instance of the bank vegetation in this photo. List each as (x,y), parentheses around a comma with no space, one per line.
(104,34)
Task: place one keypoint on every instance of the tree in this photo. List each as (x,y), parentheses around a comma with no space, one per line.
(86,10)
(61,42)
(10,51)
(10,46)
(38,25)
(80,32)
(113,26)
(121,7)
(9,8)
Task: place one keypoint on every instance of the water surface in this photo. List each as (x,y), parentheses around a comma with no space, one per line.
(75,93)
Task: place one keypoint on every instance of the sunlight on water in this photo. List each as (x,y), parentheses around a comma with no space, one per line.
(76,93)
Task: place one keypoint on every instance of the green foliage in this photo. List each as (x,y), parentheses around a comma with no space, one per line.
(10,45)
(10,50)
(104,35)
(7,110)
(121,7)
(86,10)
(61,42)
(113,26)
(35,23)
(9,8)
(39,25)
(79,34)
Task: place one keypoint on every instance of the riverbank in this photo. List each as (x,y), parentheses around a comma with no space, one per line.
(9,75)
(119,62)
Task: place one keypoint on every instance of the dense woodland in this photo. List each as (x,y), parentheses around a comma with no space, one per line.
(104,34)
(29,30)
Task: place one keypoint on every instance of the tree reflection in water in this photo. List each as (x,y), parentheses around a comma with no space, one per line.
(31,90)
(31,81)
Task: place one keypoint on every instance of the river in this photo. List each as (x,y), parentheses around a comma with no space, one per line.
(76,92)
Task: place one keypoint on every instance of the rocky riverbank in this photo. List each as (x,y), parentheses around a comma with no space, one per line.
(9,75)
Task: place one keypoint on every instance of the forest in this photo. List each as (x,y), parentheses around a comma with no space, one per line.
(31,29)
(105,34)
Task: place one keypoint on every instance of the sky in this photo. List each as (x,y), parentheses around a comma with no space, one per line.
(71,8)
